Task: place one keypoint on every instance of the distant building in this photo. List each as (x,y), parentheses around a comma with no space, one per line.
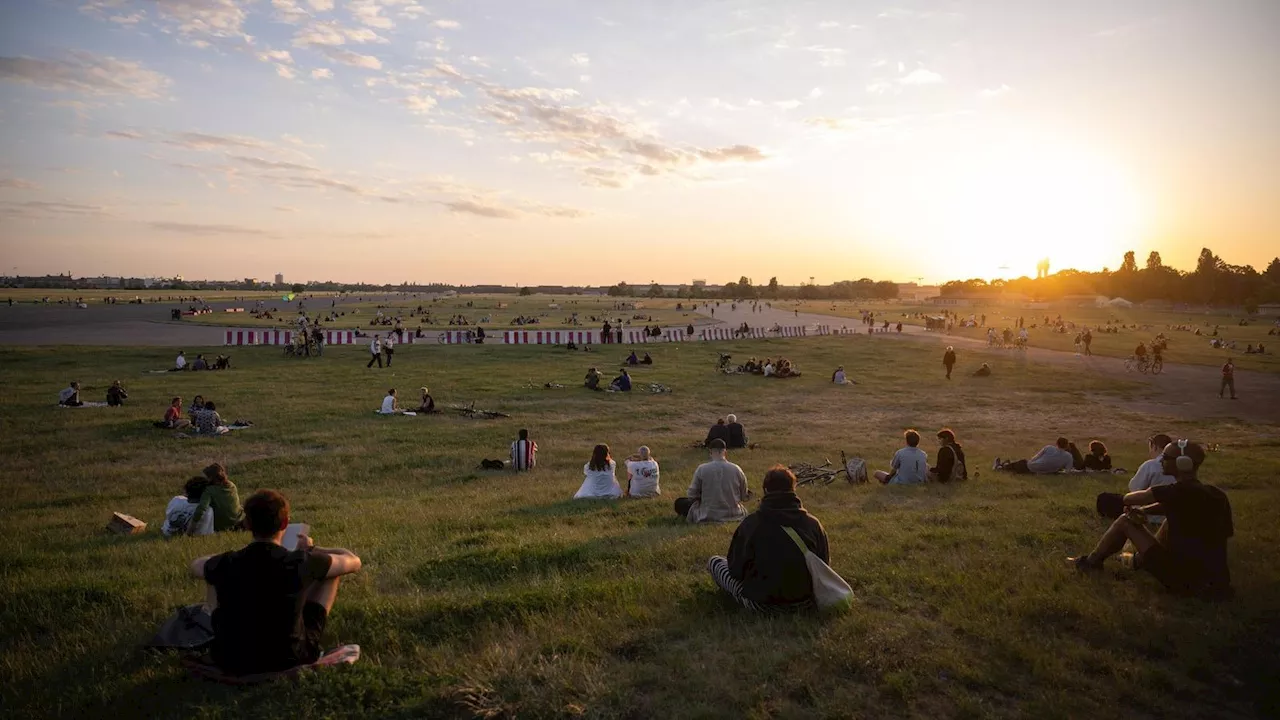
(911,292)
(279,278)
(699,283)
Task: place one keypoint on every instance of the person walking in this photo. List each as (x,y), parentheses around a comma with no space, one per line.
(949,360)
(375,351)
(1088,340)
(389,347)
(1228,379)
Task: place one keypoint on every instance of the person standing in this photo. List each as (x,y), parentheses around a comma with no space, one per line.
(1228,379)
(375,352)
(717,491)
(389,347)
(1088,340)
(949,360)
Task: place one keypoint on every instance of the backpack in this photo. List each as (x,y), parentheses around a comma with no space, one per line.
(492,464)
(856,469)
(957,467)
(829,589)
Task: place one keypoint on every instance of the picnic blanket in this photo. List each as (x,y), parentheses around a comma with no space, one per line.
(83,405)
(202,667)
(397,412)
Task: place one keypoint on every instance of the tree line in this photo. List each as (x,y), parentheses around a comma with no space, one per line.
(744,288)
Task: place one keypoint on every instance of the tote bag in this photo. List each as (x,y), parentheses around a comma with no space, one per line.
(829,589)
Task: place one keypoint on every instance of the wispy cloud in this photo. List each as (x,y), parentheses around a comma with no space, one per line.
(86,73)
(203,229)
(995,91)
(18,184)
(447,24)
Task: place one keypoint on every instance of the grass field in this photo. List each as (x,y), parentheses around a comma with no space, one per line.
(488,595)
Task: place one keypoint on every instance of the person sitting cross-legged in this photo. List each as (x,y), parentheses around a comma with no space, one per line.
(592,380)
(70,395)
(270,605)
(910,465)
(1188,555)
(219,498)
(643,475)
(428,404)
(182,508)
(116,394)
(1051,459)
(737,434)
(1098,459)
(390,403)
(524,452)
(765,571)
(173,416)
(622,383)
(719,431)
(599,482)
(717,491)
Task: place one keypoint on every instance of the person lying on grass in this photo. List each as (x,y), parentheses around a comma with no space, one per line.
(270,605)
(1051,459)
(70,395)
(910,464)
(717,491)
(219,498)
(600,481)
(116,394)
(178,514)
(643,475)
(1188,555)
(524,452)
(984,371)
(173,416)
(765,571)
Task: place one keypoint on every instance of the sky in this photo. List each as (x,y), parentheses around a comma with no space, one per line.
(591,142)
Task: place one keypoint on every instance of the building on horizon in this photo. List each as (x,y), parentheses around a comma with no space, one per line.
(279,278)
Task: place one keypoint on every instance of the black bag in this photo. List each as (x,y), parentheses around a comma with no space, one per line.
(190,628)
(492,464)
(1110,505)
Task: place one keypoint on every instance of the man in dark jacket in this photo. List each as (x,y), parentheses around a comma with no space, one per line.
(737,434)
(719,431)
(949,360)
(765,571)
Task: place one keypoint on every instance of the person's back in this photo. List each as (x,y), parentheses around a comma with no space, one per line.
(911,466)
(737,435)
(388,405)
(719,431)
(1050,459)
(1149,475)
(766,561)
(524,453)
(1198,522)
(717,492)
(599,483)
(643,478)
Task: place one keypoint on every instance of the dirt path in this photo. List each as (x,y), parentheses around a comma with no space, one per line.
(1183,391)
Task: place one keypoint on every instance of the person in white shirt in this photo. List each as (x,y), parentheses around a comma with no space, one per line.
(524,452)
(910,463)
(769,369)
(181,362)
(1151,473)
(599,482)
(178,514)
(375,351)
(1051,459)
(389,347)
(642,474)
(390,406)
(70,395)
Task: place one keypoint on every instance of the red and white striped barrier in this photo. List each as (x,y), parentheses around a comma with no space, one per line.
(283,337)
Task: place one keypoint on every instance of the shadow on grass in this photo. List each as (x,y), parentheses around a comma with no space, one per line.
(492,566)
(565,508)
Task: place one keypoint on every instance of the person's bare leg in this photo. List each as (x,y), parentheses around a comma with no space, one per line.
(324,593)
(1113,539)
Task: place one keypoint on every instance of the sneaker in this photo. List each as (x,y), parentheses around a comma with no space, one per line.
(995,465)
(1083,564)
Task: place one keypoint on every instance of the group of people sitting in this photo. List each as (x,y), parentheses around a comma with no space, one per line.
(621,383)
(70,395)
(783,368)
(1061,456)
(910,464)
(204,419)
(209,503)
(728,430)
(222,362)
(1259,350)
(633,360)
(600,480)
(391,404)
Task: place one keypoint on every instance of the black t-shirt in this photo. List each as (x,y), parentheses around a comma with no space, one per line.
(261,589)
(1199,521)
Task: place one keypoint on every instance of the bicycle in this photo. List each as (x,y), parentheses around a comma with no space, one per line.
(808,474)
(1139,364)
(471,412)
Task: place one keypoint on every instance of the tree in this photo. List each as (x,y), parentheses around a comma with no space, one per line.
(297,288)
(1153,261)
(655,291)
(619,290)
(1130,263)
(526,290)
(1272,273)
(773,287)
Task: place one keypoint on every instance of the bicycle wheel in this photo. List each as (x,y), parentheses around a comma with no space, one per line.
(1129,365)
(1157,365)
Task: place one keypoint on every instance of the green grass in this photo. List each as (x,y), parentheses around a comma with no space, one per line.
(490,595)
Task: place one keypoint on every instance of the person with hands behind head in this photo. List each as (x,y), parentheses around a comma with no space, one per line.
(270,605)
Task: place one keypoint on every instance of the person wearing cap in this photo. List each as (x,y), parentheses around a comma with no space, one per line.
(717,491)
(765,571)
(1188,555)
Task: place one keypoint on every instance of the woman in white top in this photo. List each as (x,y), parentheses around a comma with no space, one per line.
(390,406)
(177,516)
(642,474)
(600,482)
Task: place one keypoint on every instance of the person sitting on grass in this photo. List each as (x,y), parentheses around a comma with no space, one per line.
(984,371)
(524,452)
(642,475)
(717,491)
(951,464)
(1189,553)
(197,404)
(632,359)
(178,514)
(1051,459)
(592,380)
(910,464)
(180,363)
(737,434)
(173,416)
(1098,460)
(200,363)
(622,383)
(719,431)
(70,395)
(428,404)
(600,481)
(646,360)
(1077,457)
(222,363)
(765,571)
(769,369)
(270,605)
(207,421)
(116,394)
(838,377)
(221,499)
(390,403)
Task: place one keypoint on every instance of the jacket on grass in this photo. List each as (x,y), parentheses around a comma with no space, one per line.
(770,567)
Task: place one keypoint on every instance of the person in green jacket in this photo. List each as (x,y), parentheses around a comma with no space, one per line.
(221,497)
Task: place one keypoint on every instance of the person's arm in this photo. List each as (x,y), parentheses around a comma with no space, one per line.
(741,551)
(743,490)
(946,460)
(197,566)
(695,488)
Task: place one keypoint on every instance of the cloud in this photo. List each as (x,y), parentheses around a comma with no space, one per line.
(321,5)
(419,104)
(580,59)
(369,13)
(322,73)
(816,92)
(18,184)
(829,56)
(481,208)
(207,141)
(787,104)
(285,72)
(898,13)
(204,18)
(447,24)
(740,153)
(265,164)
(43,209)
(282,56)
(605,178)
(285,209)
(321,35)
(995,91)
(86,73)
(203,229)
(123,134)
(920,76)
(353,59)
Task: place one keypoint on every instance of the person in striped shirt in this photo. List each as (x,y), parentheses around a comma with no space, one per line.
(524,452)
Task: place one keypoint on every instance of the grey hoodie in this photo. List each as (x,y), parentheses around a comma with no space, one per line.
(1050,459)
